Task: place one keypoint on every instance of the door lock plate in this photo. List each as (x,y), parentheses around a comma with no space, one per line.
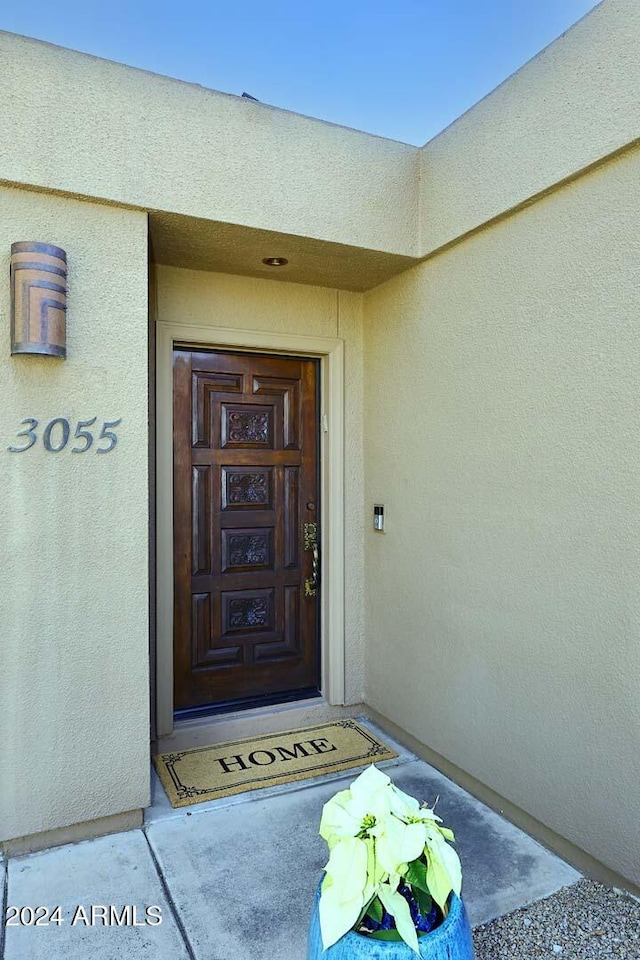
(310,533)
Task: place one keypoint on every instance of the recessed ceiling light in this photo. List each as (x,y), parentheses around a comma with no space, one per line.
(275,261)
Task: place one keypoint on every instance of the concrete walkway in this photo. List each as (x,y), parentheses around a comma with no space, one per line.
(234,879)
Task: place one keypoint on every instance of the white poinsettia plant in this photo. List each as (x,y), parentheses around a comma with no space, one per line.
(379,839)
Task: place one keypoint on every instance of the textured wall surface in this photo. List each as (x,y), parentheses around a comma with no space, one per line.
(499,409)
(502,432)
(576,102)
(221,300)
(222,157)
(74,527)
(231,160)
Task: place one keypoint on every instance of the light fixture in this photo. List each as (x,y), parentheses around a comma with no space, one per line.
(38,299)
(275,261)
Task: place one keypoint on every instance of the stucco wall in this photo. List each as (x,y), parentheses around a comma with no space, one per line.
(502,433)
(573,104)
(73,527)
(221,300)
(222,157)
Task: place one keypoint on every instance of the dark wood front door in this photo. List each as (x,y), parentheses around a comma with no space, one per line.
(245,484)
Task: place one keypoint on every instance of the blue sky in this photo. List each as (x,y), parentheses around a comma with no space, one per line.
(402,69)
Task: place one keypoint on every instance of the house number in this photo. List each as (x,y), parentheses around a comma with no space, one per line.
(57,432)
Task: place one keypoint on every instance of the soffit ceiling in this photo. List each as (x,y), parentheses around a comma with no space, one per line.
(182,241)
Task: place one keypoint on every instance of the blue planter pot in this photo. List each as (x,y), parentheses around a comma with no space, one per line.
(450,941)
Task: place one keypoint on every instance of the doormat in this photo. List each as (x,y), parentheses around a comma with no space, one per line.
(220,770)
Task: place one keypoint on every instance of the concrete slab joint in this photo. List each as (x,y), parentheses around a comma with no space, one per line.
(237,878)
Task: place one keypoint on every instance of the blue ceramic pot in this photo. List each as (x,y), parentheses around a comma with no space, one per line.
(450,941)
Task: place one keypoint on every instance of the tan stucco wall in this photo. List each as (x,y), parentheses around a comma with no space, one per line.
(74,532)
(237,162)
(221,157)
(573,104)
(502,433)
(499,415)
(220,300)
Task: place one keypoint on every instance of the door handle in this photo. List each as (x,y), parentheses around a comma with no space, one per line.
(312,583)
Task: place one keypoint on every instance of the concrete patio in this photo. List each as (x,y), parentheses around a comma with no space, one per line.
(235,878)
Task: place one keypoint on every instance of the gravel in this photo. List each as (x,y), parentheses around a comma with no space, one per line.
(584,921)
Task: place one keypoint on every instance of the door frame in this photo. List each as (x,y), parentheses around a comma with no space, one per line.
(330,352)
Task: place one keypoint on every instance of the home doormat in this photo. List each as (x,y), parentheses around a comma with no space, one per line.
(220,770)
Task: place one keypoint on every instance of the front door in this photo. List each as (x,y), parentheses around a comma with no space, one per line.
(245,516)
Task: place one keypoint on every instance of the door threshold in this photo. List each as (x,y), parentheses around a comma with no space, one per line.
(229,707)
(276,718)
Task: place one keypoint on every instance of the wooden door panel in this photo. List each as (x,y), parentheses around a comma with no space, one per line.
(247,548)
(245,482)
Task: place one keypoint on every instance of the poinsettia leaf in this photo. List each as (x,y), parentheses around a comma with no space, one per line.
(369,781)
(388,841)
(395,904)
(424,901)
(416,875)
(398,843)
(347,868)
(375,910)
(443,872)
(337,917)
(413,841)
(451,862)
(392,935)
(363,913)
(385,935)
(439,882)
(375,870)
(336,821)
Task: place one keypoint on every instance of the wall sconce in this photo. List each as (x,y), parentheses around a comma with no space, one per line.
(38,299)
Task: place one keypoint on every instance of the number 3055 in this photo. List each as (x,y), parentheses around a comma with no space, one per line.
(57,434)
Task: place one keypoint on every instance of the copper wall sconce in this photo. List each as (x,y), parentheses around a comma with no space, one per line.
(38,299)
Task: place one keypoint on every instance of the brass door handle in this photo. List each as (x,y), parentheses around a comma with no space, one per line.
(311,543)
